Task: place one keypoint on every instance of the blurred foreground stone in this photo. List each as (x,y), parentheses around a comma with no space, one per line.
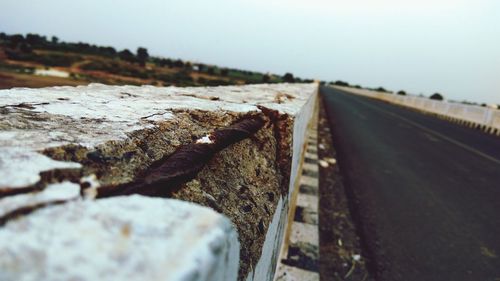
(236,150)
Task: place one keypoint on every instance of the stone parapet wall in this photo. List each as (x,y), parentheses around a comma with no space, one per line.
(107,167)
(486,119)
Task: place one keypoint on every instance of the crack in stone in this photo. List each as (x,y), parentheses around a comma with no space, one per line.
(24,105)
(155,114)
(46,177)
(212,98)
(167,175)
(26,210)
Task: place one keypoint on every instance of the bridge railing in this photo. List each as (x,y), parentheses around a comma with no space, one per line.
(483,118)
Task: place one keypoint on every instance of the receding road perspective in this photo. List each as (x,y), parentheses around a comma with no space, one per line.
(425,192)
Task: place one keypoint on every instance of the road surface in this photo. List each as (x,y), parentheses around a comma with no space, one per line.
(425,192)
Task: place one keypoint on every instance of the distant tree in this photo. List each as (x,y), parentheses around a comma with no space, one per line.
(341,83)
(166,62)
(266,78)
(54,40)
(322,83)
(126,55)
(188,65)
(35,39)
(402,93)
(107,51)
(498,106)
(211,70)
(357,87)
(15,40)
(25,48)
(381,89)
(288,77)
(142,55)
(178,63)
(224,71)
(436,96)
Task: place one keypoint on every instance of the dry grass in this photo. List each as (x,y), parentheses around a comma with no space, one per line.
(9,80)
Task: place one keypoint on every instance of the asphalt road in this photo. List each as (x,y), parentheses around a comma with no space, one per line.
(425,192)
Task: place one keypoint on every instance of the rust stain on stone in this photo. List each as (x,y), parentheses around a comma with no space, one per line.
(283,134)
(167,175)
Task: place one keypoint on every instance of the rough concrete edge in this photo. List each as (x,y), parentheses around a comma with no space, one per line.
(297,167)
(212,256)
(266,267)
(486,128)
(299,256)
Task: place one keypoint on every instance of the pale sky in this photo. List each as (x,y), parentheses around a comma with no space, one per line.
(425,46)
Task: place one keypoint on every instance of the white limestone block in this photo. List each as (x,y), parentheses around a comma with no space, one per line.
(121,238)
(19,168)
(103,113)
(98,115)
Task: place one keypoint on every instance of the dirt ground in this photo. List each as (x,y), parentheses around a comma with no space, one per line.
(9,80)
(341,254)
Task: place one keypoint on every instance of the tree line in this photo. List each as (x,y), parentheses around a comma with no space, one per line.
(20,47)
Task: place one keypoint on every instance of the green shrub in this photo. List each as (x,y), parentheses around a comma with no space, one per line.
(288,77)
(341,83)
(436,96)
(381,89)
(142,55)
(224,71)
(117,68)
(47,60)
(126,55)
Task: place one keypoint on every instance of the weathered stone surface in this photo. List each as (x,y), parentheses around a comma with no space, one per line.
(112,136)
(121,238)
(21,168)
(52,193)
(118,130)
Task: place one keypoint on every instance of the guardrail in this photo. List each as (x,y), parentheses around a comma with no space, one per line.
(483,118)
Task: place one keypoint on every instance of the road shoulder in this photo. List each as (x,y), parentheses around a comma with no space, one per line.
(341,254)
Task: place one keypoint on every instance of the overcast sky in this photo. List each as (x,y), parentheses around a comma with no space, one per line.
(424,46)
